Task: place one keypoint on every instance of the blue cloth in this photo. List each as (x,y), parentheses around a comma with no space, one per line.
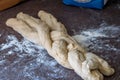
(98,4)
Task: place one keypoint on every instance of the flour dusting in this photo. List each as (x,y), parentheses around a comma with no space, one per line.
(118,5)
(103,38)
(30,62)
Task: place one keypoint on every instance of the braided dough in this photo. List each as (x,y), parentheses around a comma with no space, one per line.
(52,35)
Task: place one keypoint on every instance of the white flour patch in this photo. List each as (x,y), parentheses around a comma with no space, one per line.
(104,38)
(32,56)
(2,62)
(118,5)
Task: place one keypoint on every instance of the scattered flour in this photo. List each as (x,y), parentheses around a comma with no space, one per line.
(34,58)
(103,38)
(118,5)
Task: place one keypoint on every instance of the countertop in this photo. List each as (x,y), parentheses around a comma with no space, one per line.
(22,60)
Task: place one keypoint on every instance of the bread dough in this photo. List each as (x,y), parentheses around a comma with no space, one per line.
(53,36)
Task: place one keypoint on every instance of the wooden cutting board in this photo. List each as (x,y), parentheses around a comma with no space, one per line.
(4,4)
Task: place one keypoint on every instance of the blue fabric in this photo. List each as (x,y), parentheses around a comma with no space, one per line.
(98,4)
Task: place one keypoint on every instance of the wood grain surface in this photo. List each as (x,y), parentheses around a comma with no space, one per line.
(4,4)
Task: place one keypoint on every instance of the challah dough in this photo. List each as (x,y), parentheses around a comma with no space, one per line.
(53,36)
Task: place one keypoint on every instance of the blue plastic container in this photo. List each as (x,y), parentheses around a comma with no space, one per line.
(98,4)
